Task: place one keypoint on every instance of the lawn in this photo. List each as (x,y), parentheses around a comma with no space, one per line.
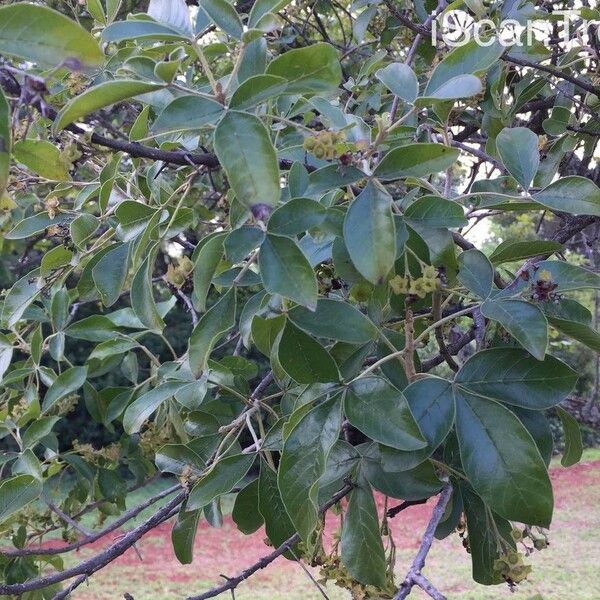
(567,570)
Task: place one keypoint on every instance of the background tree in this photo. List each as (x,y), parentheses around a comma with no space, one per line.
(233,239)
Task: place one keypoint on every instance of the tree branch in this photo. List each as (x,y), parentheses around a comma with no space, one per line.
(95,563)
(414,576)
(265,561)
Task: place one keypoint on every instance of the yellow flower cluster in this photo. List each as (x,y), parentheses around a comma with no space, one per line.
(326,144)
(420,286)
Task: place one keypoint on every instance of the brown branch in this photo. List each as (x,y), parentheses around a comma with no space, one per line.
(95,563)
(414,576)
(396,510)
(265,561)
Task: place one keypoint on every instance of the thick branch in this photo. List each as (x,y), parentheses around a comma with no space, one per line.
(265,561)
(414,576)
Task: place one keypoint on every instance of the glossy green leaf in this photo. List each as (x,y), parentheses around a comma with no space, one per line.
(206,262)
(140,30)
(573,444)
(186,113)
(285,270)
(99,96)
(34,224)
(38,430)
(575,195)
(336,320)
(6,353)
(523,320)
(65,384)
(536,422)
(510,477)
(245,512)
(296,216)
(304,359)
(43,158)
(19,297)
(220,479)
(17,492)
(215,323)
(256,90)
(512,376)
(401,80)
(475,272)
(241,242)
(262,7)
(511,250)
(310,70)
(370,233)
(142,407)
(224,16)
(382,413)
(416,160)
(433,211)
(183,535)
(244,148)
(142,295)
(303,463)
(470,58)
(361,546)
(44,36)
(518,148)
(110,273)
(461,86)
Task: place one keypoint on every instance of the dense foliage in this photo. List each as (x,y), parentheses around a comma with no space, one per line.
(233,237)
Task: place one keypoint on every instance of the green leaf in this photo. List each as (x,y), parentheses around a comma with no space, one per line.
(141,295)
(34,224)
(142,407)
(573,444)
(278,525)
(113,347)
(582,332)
(523,320)
(65,384)
(303,463)
(512,376)
(245,512)
(220,479)
(257,90)
(110,273)
(336,320)
(537,424)
(38,430)
(215,323)
(310,70)
(244,148)
(304,359)
(206,262)
(483,540)
(518,148)
(5,143)
(370,233)
(568,276)
(17,492)
(6,353)
(186,113)
(575,195)
(54,259)
(361,545)
(225,17)
(507,472)
(285,270)
(241,242)
(510,250)
(475,272)
(461,86)
(140,30)
(262,7)
(41,35)
(19,297)
(401,80)
(382,413)
(82,228)
(99,96)
(415,160)
(43,158)
(183,535)
(468,59)
(433,211)
(133,217)
(296,216)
